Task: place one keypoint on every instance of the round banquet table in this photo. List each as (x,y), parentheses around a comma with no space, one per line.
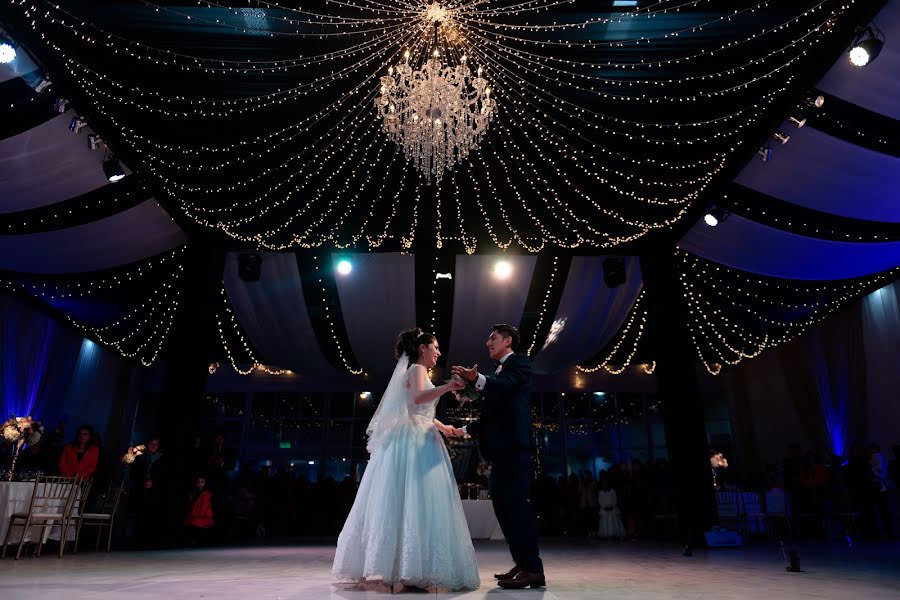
(481,519)
(15,497)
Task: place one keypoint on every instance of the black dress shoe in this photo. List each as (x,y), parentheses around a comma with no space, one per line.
(523,579)
(509,574)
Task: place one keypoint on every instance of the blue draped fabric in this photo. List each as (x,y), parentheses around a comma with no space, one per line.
(832,385)
(36,358)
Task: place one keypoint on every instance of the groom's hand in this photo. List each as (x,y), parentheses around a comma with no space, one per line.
(456,432)
(470,374)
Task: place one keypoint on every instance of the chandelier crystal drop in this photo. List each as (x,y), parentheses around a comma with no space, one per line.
(436,113)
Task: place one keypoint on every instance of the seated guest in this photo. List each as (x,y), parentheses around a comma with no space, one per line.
(81,456)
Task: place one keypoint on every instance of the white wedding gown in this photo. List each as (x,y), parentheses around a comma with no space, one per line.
(407,524)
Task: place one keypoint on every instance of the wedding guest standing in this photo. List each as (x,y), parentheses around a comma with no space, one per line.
(149,496)
(611,526)
(81,456)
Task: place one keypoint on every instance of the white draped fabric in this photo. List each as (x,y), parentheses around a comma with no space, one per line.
(480,300)
(135,234)
(273,313)
(881,330)
(827,174)
(48,164)
(378,301)
(590,312)
(750,246)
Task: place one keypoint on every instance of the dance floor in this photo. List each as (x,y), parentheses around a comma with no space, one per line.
(574,570)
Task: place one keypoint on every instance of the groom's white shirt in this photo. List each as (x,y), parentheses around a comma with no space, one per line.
(482,380)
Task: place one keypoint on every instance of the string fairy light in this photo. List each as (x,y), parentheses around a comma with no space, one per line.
(567,148)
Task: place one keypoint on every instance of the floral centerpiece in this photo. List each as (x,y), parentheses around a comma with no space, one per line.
(717,461)
(19,431)
(132,454)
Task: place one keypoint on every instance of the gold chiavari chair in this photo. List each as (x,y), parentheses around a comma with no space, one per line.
(51,503)
(107,506)
(76,511)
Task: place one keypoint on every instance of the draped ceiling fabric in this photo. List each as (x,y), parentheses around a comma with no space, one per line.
(875,87)
(749,246)
(378,300)
(592,313)
(480,300)
(273,313)
(827,174)
(48,164)
(129,236)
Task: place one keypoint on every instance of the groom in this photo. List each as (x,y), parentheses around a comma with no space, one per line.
(504,437)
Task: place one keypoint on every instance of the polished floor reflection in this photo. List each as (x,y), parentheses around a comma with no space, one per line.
(574,570)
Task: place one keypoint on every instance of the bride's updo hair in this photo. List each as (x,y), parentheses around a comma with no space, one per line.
(409,341)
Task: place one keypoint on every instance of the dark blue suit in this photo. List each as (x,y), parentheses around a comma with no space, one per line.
(504,437)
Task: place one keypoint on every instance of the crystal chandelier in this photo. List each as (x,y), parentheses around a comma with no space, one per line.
(437,113)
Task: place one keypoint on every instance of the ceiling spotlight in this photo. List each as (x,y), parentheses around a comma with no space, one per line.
(42,85)
(765,153)
(443,275)
(798,121)
(77,124)
(502,269)
(365,395)
(7,50)
(60,105)
(94,141)
(781,137)
(866,46)
(344,267)
(715,216)
(816,101)
(112,168)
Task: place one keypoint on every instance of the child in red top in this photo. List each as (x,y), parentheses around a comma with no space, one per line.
(200,512)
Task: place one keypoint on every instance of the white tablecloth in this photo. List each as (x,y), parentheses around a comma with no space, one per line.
(15,497)
(482,520)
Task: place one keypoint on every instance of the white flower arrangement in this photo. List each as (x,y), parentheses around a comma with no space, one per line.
(132,454)
(22,430)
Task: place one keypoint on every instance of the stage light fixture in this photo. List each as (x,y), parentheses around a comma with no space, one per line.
(113,170)
(798,121)
(765,153)
(866,47)
(60,105)
(249,266)
(781,137)
(77,124)
(502,269)
(715,216)
(7,50)
(815,101)
(94,141)
(42,85)
(344,267)
(365,395)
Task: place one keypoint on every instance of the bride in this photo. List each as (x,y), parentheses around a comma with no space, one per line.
(407,523)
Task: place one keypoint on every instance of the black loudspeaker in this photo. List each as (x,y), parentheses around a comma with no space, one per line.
(614,271)
(249,266)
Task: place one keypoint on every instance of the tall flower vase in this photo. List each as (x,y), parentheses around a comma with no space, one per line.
(12,466)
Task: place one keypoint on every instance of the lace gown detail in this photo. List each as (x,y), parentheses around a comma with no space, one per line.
(407,523)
